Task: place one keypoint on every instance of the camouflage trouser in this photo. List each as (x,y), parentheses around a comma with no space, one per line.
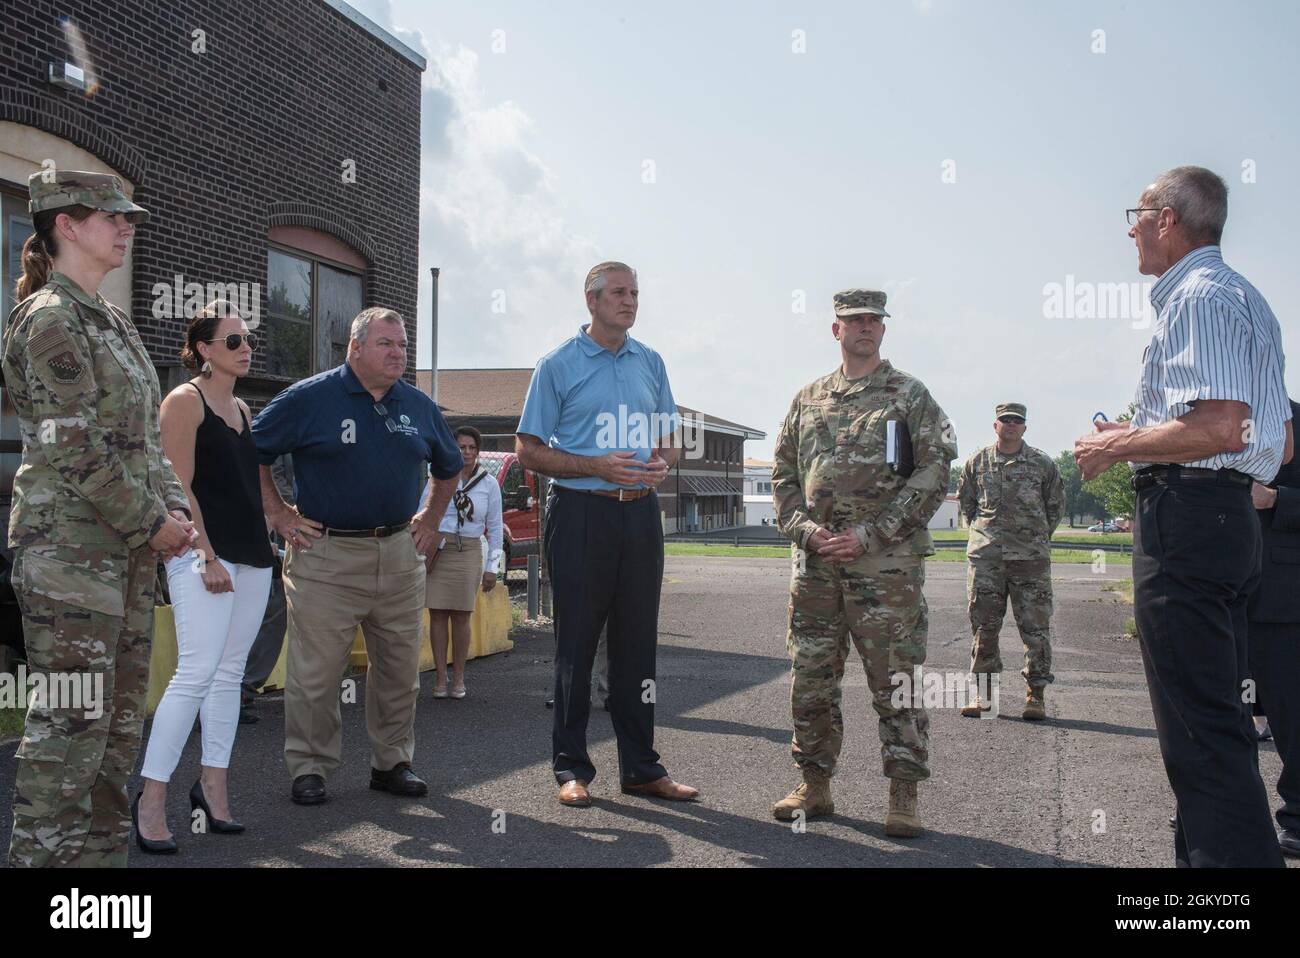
(878,602)
(70,803)
(1029,583)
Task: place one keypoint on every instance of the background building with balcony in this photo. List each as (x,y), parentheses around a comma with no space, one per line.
(704,490)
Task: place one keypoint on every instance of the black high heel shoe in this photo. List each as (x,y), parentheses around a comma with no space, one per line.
(147,845)
(197,801)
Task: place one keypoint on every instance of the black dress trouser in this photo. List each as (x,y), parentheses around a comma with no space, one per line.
(1196,558)
(1275,667)
(606,562)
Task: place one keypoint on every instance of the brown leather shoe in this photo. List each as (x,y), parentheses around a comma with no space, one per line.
(664,788)
(575,794)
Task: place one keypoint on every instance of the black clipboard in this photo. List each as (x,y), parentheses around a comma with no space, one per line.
(899,455)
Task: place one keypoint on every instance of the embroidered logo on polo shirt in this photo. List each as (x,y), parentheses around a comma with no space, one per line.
(66,367)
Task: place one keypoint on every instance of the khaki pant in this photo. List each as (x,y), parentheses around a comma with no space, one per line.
(331,588)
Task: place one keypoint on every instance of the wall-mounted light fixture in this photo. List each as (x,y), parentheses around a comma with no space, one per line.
(67,76)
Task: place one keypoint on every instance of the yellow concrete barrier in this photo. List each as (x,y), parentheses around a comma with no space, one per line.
(490,633)
(162,658)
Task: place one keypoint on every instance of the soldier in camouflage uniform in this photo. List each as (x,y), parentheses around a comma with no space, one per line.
(1011,495)
(861,466)
(93,501)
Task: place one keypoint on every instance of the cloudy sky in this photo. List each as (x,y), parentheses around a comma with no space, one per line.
(973,159)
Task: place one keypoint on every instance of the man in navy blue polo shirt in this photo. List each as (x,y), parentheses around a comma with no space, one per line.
(360,438)
(600,420)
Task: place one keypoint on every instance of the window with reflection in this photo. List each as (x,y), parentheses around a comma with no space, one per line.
(289,315)
(15,227)
(311,302)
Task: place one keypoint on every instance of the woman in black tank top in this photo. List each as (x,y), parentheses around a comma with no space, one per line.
(220,588)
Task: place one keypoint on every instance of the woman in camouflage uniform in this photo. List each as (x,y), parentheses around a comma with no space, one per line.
(94,502)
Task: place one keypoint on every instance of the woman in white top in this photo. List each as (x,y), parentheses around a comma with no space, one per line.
(459,569)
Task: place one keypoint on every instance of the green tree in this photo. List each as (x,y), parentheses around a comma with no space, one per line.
(1079,502)
(954,475)
(1112,489)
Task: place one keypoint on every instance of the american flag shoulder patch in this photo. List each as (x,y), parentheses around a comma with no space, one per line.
(46,340)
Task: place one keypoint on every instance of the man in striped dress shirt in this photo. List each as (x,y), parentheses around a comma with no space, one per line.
(1211,415)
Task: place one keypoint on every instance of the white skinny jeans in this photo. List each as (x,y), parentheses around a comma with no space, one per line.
(213,636)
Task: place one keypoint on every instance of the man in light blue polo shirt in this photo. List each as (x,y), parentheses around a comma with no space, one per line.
(600,420)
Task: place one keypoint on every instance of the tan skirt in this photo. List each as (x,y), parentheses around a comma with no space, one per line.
(457,576)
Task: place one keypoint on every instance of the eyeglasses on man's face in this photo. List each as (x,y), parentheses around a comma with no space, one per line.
(1011,420)
(1132,214)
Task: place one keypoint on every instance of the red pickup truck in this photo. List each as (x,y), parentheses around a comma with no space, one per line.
(520,510)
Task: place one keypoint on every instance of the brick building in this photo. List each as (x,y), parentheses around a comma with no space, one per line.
(704,490)
(277,146)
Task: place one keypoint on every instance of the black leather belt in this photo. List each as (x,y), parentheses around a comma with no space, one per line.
(1166,475)
(379,532)
(622,495)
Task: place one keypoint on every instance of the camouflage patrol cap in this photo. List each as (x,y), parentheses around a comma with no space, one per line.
(55,189)
(1010,409)
(853,302)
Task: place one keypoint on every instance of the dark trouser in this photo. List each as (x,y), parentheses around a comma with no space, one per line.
(606,562)
(1196,558)
(1275,667)
(266,649)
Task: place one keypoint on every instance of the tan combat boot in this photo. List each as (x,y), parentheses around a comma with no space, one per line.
(977,705)
(812,797)
(903,820)
(1035,705)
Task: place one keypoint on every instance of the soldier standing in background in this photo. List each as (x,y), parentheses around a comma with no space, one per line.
(94,501)
(1012,497)
(861,466)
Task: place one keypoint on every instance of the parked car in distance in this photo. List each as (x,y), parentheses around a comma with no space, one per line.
(520,508)
(1106,526)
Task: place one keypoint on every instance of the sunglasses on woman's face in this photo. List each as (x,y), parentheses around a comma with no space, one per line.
(232,341)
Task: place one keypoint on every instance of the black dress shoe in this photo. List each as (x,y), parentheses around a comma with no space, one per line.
(1289,841)
(199,801)
(248,717)
(399,780)
(147,845)
(308,790)
(1173,821)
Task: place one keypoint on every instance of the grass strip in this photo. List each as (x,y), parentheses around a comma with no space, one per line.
(783,552)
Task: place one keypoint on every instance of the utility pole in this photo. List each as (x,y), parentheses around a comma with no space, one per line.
(433,333)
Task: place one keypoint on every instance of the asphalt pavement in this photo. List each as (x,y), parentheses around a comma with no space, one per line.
(1085,788)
